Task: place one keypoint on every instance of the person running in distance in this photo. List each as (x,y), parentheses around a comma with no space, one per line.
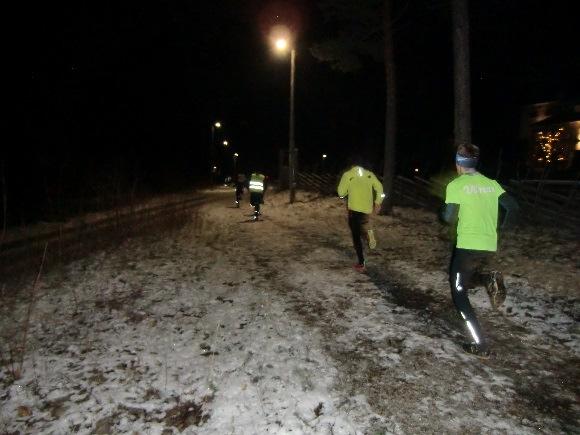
(365,195)
(240,185)
(257,190)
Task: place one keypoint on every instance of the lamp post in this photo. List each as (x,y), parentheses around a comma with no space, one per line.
(291,145)
(282,46)
(214,126)
(235,175)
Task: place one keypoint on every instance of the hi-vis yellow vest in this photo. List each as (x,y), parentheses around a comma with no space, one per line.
(257,183)
(359,184)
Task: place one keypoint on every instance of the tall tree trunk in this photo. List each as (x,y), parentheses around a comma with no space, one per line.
(4,205)
(462,130)
(391,110)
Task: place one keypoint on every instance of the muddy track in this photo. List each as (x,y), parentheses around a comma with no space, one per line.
(545,380)
(271,317)
(544,393)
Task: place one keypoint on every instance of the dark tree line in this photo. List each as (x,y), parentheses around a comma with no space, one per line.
(367,30)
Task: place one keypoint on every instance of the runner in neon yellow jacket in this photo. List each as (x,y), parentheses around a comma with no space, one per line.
(365,195)
(257,189)
(472,200)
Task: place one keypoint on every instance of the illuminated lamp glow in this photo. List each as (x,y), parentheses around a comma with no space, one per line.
(281,39)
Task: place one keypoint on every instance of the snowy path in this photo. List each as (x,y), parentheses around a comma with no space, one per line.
(234,327)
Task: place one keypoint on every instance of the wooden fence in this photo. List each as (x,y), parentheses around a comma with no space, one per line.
(77,237)
(417,192)
(324,184)
(552,202)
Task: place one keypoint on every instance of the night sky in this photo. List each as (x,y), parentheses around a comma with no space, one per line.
(121,95)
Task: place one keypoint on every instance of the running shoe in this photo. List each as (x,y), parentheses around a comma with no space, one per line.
(478,350)
(371,239)
(496,289)
(360,267)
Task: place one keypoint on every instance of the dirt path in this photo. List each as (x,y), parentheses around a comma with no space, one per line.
(404,356)
(235,327)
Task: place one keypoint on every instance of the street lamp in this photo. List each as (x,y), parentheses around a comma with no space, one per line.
(282,44)
(225,143)
(214,126)
(235,176)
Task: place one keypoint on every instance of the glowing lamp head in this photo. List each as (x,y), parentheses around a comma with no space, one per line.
(217,124)
(235,154)
(324,156)
(280,39)
(281,44)
(226,143)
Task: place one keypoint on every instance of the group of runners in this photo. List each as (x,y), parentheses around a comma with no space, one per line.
(472,203)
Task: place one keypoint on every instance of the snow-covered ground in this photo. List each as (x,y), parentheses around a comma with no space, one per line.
(228,326)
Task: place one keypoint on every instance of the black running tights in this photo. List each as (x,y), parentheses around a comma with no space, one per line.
(463,271)
(357,222)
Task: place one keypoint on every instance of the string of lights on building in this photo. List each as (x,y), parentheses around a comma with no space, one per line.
(551,146)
